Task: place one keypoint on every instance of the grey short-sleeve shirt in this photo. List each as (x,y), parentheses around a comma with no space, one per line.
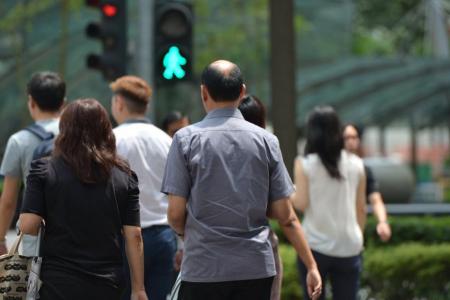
(228,170)
(19,150)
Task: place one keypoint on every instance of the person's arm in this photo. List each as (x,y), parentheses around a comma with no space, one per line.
(131,230)
(177,185)
(379,210)
(300,198)
(179,254)
(176,213)
(135,254)
(283,212)
(29,223)
(361,207)
(8,202)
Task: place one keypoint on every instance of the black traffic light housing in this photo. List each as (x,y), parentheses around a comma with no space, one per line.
(112,32)
(173,30)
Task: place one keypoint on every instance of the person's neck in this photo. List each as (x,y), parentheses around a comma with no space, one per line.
(355,152)
(223,104)
(42,116)
(131,116)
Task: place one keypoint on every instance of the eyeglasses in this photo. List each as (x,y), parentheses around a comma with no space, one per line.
(351,137)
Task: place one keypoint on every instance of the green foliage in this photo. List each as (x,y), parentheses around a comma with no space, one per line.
(409,271)
(389,27)
(447,195)
(291,289)
(386,13)
(25,11)
(275,227)
(238,31)
(427,229)
(430,230)
(21,11)
(375,42)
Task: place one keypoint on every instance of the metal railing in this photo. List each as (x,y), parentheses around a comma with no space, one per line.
(417,209)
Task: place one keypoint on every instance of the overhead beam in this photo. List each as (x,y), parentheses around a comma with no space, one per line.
(389,113)
(356,70)
(349,100)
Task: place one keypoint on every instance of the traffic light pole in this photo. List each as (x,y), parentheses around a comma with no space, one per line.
(111,31)
(144,52)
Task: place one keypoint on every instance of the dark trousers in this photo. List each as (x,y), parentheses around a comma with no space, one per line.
(343,273)
(68,285)
(256,289)
(160,246)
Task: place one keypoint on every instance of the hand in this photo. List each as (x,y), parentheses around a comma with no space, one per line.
(139,295)
(384,231)
(314,283)
(3,248)
(177,261)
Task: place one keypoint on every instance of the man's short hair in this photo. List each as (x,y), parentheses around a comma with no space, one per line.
(170,118)
(48,90)
(222,86)
(134,90)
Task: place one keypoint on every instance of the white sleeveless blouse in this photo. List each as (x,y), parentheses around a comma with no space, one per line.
(330,221)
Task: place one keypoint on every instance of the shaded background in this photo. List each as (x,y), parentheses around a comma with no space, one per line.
(382,64)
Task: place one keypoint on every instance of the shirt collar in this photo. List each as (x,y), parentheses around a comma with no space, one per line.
(46,121)
(138,120)
(228,112)
(130,122)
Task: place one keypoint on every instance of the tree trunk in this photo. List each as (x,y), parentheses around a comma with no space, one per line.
(282,72)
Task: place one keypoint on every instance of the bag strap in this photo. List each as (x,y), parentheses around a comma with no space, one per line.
(39,239)
(15,246)
(39,131)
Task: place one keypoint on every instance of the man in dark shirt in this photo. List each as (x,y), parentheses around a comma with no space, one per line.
(352,140)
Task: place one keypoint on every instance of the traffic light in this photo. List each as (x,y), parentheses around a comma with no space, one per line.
(112,32)
(173,41)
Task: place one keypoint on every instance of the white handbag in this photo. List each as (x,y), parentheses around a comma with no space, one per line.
(19,275)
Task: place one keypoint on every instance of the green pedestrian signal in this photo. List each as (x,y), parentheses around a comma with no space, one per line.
(172,42)
(173,62)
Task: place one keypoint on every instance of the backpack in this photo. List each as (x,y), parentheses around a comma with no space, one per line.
(46,145)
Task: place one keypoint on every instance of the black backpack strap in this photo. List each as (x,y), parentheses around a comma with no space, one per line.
(39,131)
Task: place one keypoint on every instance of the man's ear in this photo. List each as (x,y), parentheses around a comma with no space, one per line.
(120,102)
(31,102)
(204,93)
(243,91)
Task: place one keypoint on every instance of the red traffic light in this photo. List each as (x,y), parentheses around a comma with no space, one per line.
(109,10)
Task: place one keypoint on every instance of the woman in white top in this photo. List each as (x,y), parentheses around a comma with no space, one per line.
(330,192)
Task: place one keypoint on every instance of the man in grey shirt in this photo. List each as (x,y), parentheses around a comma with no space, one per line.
(46,95)
(224,176)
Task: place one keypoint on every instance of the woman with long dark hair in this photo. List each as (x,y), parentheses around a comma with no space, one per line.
(253,111)
(88,198)
(330,186)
